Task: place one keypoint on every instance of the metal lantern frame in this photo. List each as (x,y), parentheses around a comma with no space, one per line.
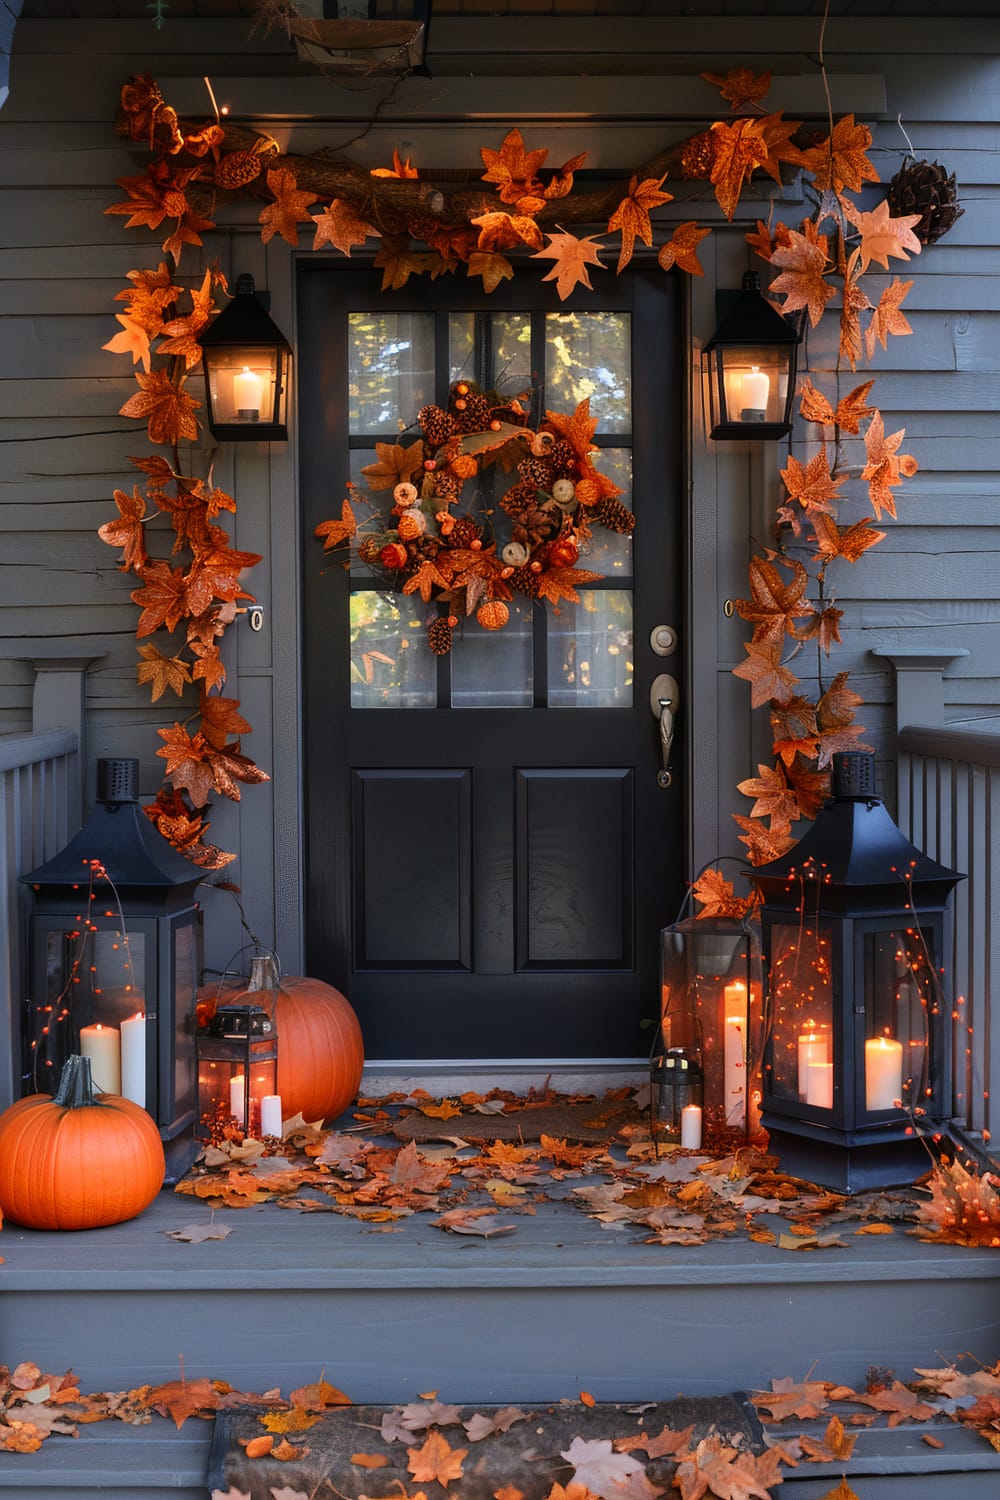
(237,1041)
(858,1053)
(243,343)
(752,338)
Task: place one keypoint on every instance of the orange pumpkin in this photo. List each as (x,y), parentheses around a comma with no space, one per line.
(493,615)
(320,1049)
(77,1160)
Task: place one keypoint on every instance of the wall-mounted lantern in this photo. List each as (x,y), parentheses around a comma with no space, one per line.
(371,38)
(854,927)
(246,359)
(752,360)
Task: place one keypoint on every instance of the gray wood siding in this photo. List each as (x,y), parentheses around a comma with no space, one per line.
(62,446)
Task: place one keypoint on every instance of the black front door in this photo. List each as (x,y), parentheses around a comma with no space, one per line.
(489,853)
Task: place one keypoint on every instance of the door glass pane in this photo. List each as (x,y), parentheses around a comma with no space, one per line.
(492,349)
(588,355)
(392,665)
(493,668)
(590,651)
(607,552)
(390,369)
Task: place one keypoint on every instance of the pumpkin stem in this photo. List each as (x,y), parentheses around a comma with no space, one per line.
(76,1088)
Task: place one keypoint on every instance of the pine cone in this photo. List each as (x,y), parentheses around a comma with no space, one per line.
(519,497)
(924,188)
(471,411)
(537,471)
(237,169)
(438,425)
(614,515)
(525,581)
(698,155)
(464,531)
(369,548)
(439,635)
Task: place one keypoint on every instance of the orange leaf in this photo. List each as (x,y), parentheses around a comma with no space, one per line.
(435,1461)
(885,467)
(738,148)
(682,248)
(162,671)
(882,235)
(288,210)
(514,170)
(740,86)
(631,216)
(220,719)
(133,339)
(398,263)
(393,465)
(717,896)
(774,798)
(370,1460)
(802,279)
(775,605)
(185,756)
(128,532)
(840,160)
(572,256)
(162,597)
(814,487)
(168,407)
(500,231)
(182,1398)
(559,583)
(887,317)
(335,532)
(341,226)
(295,1420)
(492,268)
(849,542)
(765,674)
(399,168)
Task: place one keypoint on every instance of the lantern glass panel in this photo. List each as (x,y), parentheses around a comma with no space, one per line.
(900,989)
(245,385)
(753,384)
(802,1013)
(234,1075)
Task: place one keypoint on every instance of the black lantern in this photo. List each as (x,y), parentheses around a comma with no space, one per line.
(858,1055)
(753,355)
(373,38)
(238,1058)
(707,1043)
(115,959)
(246,359)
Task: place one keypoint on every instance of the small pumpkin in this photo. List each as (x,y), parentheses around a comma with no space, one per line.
(493,615)
(564,552)
(77,1160)
(320,1049)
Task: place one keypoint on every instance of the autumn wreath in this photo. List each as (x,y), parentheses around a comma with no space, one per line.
(434,542)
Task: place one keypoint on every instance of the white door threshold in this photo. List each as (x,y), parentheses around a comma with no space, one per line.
(448,1077)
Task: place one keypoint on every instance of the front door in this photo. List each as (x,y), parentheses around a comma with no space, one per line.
(490,853)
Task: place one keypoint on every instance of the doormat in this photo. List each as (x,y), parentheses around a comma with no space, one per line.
(592,1122)
(345,1455)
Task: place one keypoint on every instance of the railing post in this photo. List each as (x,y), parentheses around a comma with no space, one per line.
(919,673)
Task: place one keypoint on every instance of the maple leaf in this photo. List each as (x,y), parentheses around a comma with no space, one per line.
(814,487)
(775,605)
(399,168)
(600,1468)
(812,788)
(794,730)
(219,719)
(128,532)
(514,170)
(789,1398)
(887,317)
(854,301)
(836,707)
(342,226)
(763,845)
(196,1234)
(572,256)
(133,339)
(824,627)
(802,282)
(426,579)
(851,409)
(738,148)
(215,573)
(740,86)
(560,583)
(288,210)
(492,268)
(886,467)
(777,134)
(436,1462)
(501,231)
(319,1396)
(577,429)
(335,532)
(902,1404)
(168,407)
(840,160)
(764,671)
(479,1427)
(835,1444)
(717,896)
(393,464)
(185,756)
(145,204)
(631,217)
(181,1399)
(162,597)
(481,1221)
(561,183)
(228,767)
(882,235)
(774,797)
(849,542)
(162,671)
(726,1472)
(187,232)
(682,248)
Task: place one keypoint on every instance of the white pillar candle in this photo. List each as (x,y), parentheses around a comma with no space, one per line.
(819,1084)
(134,1059)
(691,1127)
(270,1115)
(734,998)
(755,391)
(102,1044)
(237,1096)
(883,1072)
(814,1047)
(248,391)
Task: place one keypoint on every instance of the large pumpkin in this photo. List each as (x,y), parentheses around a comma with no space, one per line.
(320,1050)
(77,1160)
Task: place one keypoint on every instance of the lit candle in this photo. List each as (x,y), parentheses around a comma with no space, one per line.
(270,1115)
(237,1096)
(814,1047)
(755,391)
(248,392)
(691,1127)
(819,1084)
(134,1059)
(103,1045)
(883,1072)
(734,998)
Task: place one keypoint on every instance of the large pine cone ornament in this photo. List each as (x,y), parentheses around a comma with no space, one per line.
(439,635)
(525,580)
(464,532)
(614,515)
(438,425)
(925,188)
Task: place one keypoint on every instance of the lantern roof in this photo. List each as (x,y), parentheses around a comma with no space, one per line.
(856,855)
(243,322)
(751,320)
(118,834)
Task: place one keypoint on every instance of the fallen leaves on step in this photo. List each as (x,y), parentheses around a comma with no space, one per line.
(436,1461)
(196,1234)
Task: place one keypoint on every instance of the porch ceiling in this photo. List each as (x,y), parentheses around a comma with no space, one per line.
(862,10)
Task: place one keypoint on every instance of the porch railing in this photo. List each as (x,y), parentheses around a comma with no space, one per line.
(39,812)
(949,806)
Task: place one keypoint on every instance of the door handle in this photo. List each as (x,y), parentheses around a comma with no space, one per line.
(664,700)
